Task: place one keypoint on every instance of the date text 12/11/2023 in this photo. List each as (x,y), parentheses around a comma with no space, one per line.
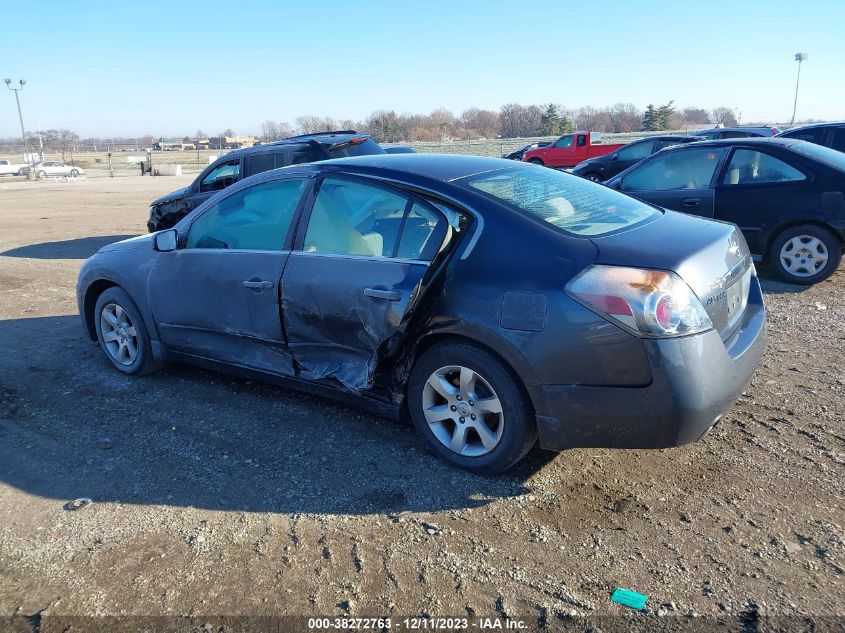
(414,624)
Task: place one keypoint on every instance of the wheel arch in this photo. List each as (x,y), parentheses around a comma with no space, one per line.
(773,233)
(89,302)
(514,361)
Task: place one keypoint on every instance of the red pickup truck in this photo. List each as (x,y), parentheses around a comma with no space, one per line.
(570,149)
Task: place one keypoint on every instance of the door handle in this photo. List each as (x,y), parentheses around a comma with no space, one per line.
(691,202)
(390,295)
(258,285)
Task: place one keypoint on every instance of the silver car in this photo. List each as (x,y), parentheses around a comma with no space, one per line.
(56,168)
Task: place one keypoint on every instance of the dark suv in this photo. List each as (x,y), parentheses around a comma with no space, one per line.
(721,133)
(830,135)
(233,166)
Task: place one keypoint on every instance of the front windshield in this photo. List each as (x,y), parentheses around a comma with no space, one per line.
(568,202)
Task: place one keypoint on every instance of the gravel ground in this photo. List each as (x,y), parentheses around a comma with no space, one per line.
(215,495)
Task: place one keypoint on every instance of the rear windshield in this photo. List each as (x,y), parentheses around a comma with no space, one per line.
(366,148)
(823,154)
(568,202)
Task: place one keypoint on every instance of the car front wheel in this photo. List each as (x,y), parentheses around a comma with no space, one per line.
(42,174)
(122,334)
(470,408)
(593,177)
(805,254)
(74,172)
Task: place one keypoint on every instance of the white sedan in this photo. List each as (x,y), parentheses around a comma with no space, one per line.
(55,168)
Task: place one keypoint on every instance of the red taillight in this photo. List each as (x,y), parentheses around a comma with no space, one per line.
(647,302)
(358,140)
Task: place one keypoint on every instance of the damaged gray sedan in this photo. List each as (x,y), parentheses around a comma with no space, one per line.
(497,304)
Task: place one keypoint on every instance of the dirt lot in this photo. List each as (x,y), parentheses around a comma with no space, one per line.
(215,495)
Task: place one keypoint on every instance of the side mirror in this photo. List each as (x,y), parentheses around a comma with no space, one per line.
(165,241)
(614,157)
(616,184)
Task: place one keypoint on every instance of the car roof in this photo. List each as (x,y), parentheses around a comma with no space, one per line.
(327,138)
(811,126)
(751,140)
(442,167)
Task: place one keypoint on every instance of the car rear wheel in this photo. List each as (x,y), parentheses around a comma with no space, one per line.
(535,161)
(74,172)
(470,408)
(593,177)
(122,334)
(805,254)
(42,174)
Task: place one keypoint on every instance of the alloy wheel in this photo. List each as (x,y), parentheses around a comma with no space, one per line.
(463,411)
(804,256)
(119,335)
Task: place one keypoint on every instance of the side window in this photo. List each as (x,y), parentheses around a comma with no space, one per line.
(750,167)
(352,218)
(683,169)
(582,140)
(636,151)
(735,134)
(564,141)
(422,234)
(256,163)
(221,177)
(281,159)
(839,139)
(255,218)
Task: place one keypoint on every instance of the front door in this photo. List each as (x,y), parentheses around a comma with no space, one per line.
(363,252)
(681,180)
(218,296)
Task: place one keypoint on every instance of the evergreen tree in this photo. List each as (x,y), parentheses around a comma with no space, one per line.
(650,119)
(550,123)
(664,115)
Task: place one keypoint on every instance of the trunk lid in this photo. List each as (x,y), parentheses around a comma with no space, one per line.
(711,257)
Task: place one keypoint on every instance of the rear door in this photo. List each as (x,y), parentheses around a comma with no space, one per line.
(757,191)
(681,179)
(217,296)
(362,251)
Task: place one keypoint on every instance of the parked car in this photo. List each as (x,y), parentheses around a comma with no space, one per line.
(8,168)
(828,134)
(519,153)
(231,167)
(398,149)
(785,195)
(382,280)
(603,167)
(719,133)
(570,149)
(54,168)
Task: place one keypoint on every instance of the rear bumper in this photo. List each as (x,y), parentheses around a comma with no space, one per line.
(696,380)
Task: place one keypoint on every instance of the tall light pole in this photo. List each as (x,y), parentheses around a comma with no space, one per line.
(22,83)
(799,57)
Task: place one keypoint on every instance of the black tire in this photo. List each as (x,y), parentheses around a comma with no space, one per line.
(143,362)
(536,161)
(519,430)
(74,172)
(42,174)
(795,236)
(593,177)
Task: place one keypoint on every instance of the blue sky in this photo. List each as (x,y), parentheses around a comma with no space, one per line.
(106,68)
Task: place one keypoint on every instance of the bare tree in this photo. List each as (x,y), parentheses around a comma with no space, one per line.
(310,124)
(695,116)
(480,123)
(227,132)
(723,116)
(625,117)
(519,120)
(273,131)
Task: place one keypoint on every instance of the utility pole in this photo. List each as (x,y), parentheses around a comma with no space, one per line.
(22,83)
(799,57)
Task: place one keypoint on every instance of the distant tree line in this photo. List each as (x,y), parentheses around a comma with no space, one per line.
(512,120)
